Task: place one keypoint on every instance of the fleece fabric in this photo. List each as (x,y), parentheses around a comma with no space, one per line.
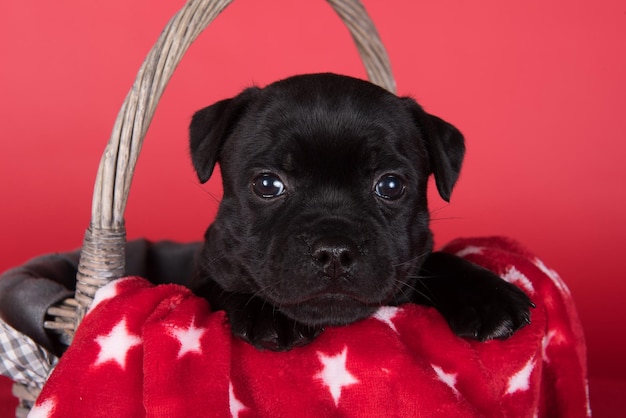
(148,350)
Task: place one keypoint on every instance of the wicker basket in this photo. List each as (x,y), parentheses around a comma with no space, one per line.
(102,255)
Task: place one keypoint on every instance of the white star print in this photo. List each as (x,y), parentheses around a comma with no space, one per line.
(42,410)
(545,342)
(553,275)
(447,378)
(386,314)
(115,345)
(471,249)
(105,292)
(236,406)
(514,276)
(588,403)
(334,374)
(189,339)
(520,381)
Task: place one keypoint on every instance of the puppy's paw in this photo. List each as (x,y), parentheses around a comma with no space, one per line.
(260,324)
(492,309)
(476,302)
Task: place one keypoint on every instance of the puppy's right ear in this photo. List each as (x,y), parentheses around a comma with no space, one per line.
(211,126)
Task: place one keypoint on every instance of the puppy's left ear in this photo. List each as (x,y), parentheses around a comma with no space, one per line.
(211,126)
(445,146)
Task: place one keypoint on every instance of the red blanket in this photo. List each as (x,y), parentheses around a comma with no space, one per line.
(159,351)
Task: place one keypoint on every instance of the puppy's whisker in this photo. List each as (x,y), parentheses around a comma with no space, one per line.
(264,292)
(438,209)
(447,218)
(401,287)
(209,193)
(424,291)
(411,260)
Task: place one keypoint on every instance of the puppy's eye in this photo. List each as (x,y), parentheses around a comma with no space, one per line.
(268,185)
(389,186)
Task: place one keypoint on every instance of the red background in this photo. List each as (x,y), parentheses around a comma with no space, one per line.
(538,88)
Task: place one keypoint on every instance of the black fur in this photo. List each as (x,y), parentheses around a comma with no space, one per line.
(324,217)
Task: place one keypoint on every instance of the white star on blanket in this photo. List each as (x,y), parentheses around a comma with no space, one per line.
(334,374)
(386,314)
(43,410)
(514,276)
(189,339)
(115,345)
(109,291)
(447,378)
(520,381)
(236,406)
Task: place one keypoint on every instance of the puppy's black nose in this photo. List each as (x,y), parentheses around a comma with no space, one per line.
(335,255)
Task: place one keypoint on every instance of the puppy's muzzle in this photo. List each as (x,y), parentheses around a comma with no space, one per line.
(335,256)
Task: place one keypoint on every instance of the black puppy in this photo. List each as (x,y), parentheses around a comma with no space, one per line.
(324,216)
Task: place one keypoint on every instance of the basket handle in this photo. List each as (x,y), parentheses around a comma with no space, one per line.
(103,252)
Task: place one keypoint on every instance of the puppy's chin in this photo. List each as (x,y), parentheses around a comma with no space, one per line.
(328,310)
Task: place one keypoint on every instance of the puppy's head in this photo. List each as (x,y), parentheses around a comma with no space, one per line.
(324,213)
